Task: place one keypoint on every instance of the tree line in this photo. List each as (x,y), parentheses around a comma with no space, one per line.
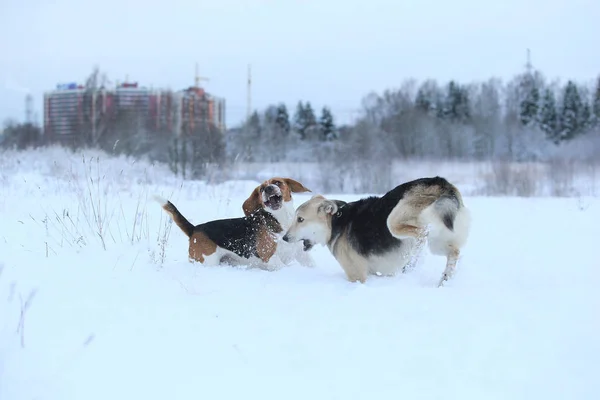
(526,118)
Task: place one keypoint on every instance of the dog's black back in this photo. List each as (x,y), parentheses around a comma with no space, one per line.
(240,235)
(365,220)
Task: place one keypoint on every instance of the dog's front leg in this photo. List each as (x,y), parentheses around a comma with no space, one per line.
(274,263)
(354,265)
(356,273)
(303,256)
(356,269)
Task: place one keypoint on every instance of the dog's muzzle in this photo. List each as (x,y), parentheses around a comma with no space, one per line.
(272,197)
(307,244)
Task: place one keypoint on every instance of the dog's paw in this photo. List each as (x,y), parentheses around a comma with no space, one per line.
(443,279)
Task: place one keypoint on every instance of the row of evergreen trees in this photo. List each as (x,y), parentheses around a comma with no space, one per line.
(576,114)
(304,122)
(273,135)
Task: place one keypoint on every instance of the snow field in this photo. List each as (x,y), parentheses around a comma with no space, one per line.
(123,314)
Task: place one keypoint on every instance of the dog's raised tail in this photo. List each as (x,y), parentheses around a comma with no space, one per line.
(447,207)
(181,221)
(452,213)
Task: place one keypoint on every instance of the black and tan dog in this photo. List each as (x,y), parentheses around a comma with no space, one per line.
(250,240)
(379,235)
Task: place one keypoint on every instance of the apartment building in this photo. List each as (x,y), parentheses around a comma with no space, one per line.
(71,110)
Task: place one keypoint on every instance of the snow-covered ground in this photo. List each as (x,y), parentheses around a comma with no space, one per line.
(98,300)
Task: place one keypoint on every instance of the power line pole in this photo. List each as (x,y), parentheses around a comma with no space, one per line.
(29,108)
(528,66)
(249,94)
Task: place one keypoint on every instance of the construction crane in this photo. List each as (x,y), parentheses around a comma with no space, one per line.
(198,78)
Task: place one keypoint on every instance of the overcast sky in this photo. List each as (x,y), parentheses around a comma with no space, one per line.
(331,52)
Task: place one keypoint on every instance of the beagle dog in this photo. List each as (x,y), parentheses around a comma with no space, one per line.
(254,239)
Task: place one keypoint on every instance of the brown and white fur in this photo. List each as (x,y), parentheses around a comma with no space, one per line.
(284,187)
(380,235)
(254,239)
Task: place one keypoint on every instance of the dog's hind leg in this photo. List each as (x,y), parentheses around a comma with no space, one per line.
(404,223)
(420,242)
(404,231)
(451,260)
(447,240)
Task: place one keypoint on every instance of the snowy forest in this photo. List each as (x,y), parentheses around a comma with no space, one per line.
(527,119)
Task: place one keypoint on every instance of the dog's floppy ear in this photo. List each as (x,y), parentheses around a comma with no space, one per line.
(328,207)
(252,203)
(296,186)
